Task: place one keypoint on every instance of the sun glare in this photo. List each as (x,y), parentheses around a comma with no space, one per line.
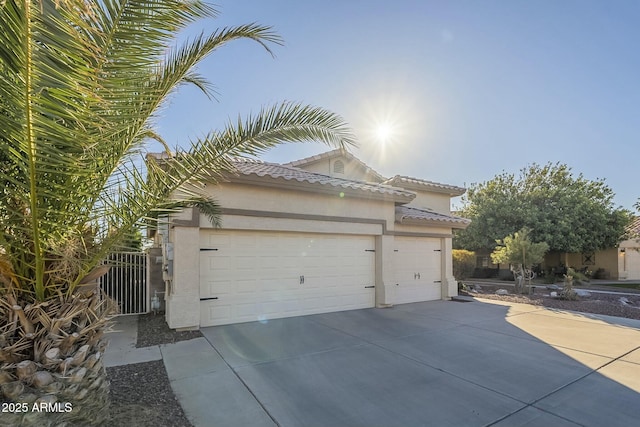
(384,132)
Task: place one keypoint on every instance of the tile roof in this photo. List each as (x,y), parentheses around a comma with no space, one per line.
(406,212)
(633,229)
(274,170)
(399,180)
(335,153)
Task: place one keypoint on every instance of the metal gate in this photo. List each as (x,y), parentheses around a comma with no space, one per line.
(126,281)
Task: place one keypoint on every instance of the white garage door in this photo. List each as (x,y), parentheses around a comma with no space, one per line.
(417,265)
(248,275)
(632,261)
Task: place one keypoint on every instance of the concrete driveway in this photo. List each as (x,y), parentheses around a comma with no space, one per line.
(437,363)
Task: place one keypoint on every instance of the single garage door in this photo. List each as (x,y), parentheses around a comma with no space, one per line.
(417,265)
(632,263)
(251,275)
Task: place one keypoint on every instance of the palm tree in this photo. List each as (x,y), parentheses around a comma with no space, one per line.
(81,82)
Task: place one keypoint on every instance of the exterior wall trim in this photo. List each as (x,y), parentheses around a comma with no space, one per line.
(289,215)
(418,234)
(193,222)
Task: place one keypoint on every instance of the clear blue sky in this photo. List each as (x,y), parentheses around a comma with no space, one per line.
(470,88)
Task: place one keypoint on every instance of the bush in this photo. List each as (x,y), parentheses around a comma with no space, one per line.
(464,262)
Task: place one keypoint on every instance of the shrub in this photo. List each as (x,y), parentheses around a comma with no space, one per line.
(464,262)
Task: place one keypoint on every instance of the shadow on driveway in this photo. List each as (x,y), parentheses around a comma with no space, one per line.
(436,363)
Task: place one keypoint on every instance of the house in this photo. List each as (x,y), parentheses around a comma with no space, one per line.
(628,253)
(325,233)
(617,263)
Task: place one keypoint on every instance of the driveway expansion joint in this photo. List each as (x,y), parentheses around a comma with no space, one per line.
(244,384)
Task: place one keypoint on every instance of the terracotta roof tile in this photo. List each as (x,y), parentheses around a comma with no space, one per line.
(406,212)
(633,229)
(290,173)
(399,180)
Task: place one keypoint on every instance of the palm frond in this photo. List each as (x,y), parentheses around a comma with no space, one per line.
(81,84)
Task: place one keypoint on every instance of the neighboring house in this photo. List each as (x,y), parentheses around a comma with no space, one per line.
(321,234)
(628,253)
(619,263)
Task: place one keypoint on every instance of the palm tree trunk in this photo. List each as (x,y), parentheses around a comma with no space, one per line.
(51,370)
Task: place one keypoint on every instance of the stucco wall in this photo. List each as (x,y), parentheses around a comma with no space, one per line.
(249,197)
(408,228)
(629,260)
(437,202)
(606,259)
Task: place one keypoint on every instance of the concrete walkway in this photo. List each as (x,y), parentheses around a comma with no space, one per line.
(122,344)
(483,363)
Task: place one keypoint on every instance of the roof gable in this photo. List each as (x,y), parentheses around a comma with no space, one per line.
(339,163)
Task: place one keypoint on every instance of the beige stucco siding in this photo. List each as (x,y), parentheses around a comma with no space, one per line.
(606,259)
(628,258)
(249,197)
(404,228)
(440,203)
(261,221)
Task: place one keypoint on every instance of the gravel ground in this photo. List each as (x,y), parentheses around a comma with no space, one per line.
(153,330)
(141,394)
(607,304)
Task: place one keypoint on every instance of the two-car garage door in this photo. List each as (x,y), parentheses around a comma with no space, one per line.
(250,275)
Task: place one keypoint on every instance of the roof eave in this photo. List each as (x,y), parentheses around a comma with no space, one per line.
(451,190)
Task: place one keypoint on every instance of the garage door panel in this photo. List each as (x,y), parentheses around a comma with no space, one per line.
(417,266)
(256,275)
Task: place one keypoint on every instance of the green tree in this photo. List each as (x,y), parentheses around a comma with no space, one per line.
(570,213)
(522,253)
(81,83)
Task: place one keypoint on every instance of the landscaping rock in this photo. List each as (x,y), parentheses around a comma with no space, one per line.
(582,293)
(502,292)
(624,301)
(553,295)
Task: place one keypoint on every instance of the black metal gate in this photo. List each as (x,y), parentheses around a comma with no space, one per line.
(126,281)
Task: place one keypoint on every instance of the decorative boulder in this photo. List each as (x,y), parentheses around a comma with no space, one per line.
(502,292)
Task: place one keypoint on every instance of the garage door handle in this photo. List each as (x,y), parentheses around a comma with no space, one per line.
(207,249)
(369,287)
(207,299)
